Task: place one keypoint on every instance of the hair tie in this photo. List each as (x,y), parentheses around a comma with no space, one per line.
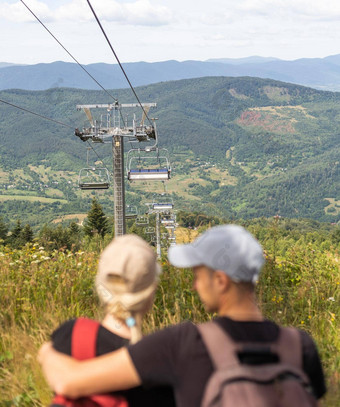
(130,322)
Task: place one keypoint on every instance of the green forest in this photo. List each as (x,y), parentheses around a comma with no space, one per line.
(239,147)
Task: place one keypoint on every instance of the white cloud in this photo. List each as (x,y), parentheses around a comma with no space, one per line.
(139,12)
(295,9)
(17,12)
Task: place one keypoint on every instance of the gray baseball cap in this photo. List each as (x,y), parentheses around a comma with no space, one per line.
(229,248)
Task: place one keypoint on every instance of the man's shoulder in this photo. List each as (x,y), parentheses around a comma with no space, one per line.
(176,331)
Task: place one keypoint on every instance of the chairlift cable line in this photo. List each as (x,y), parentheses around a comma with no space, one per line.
(119,63)
(52,120)
(100,159)
(74,59)
(36,114)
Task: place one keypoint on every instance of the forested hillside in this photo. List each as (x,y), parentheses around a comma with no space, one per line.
(240,147)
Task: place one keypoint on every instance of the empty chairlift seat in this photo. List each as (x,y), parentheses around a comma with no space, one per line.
(160,206)
(162,203)
(152,174)
(131,211)
(151,165)
(94,178)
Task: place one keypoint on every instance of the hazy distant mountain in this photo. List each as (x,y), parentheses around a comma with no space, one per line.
(240,61)
(5,64)
(319,73)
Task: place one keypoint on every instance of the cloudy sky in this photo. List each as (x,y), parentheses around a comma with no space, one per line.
(159,30)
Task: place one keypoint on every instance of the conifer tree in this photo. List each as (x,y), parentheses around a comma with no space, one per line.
(27,234)
(16,230)
(96,221)
(3,229)
(15,239)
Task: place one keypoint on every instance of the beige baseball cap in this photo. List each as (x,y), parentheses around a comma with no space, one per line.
(130,258)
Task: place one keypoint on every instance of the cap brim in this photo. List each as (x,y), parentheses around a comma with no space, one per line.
(184,256)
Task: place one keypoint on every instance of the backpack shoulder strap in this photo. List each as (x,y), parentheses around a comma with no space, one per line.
(216,340)
(84,338)
(289,347)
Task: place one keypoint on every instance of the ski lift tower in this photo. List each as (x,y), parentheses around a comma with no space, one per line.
(160,206)
(114,132)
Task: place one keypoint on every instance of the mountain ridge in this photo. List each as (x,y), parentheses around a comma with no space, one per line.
(319,73)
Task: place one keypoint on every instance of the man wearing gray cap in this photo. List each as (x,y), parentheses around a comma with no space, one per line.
(226,261)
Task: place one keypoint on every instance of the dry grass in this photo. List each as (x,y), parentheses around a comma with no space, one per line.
(39,290)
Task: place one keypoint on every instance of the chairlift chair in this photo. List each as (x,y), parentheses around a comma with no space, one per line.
(149,230)
(131,211)
(142,220)
(148,167)
(167,221)
(94,178)
(162,203)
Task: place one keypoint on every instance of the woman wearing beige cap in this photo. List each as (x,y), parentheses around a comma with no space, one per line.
(126,282)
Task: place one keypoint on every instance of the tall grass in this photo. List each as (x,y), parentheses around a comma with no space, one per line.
(39,290)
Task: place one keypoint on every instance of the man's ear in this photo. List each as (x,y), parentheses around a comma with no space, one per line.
(222,280)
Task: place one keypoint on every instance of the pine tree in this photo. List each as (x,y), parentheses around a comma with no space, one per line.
(3,229)
(96,222)
(15,238)
(74,229)
(17,230)
(27,233)
(74,232)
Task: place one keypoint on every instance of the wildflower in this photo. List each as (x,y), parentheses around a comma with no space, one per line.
(79,264)
(302,322)
(41,248)
(331,299)
(34,256)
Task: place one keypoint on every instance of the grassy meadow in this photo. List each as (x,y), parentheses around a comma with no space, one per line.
(300,285)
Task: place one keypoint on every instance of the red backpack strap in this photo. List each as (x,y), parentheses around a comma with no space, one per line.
(83,346)
(109,401)
(84,338)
